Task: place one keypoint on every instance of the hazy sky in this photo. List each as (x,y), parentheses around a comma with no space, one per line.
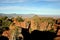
(42,7)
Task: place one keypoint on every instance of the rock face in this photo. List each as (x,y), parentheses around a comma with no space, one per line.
(33,25)
(37,23)
(6,33)
(57,38)
(58,33)
(43,26)
(58,26)
(20,24)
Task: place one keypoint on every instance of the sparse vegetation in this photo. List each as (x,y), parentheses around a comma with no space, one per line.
(20,19)
(37,23)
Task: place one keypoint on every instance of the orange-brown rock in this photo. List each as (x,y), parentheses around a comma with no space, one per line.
(20,24)
(33,25)
(49,27)
(43,26)
(58,33)
(12,26)
(6,33)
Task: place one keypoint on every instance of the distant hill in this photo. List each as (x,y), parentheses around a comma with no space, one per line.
(14,15)
(28,15)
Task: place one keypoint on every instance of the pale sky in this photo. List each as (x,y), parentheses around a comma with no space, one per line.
(40,7)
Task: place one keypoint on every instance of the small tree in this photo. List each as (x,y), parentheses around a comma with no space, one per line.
(20,19)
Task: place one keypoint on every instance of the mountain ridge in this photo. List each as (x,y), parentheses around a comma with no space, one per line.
(28,15)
